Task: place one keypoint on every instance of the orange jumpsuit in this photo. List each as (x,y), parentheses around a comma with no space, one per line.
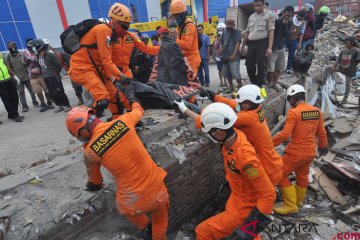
(189,45)
(139,181)
(122,50)
(250,187)
(254,125)
(303,123)
(83,72)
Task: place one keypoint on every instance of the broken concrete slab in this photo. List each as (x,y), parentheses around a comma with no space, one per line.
(329,188)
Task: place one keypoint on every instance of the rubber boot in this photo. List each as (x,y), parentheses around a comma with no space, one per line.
(289,198)
(300,195)
(275,79)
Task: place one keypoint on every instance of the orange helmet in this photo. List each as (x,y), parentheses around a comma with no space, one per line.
(120,12)
(177,6)
(77,118)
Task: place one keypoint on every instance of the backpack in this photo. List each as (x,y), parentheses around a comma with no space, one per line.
(200,40)
(70,38)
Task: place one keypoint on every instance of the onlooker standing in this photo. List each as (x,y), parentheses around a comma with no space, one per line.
(276,62)
(267,7)
(205,55)
(320,17)
(295,37)
(37,81)
(347,61)
(217,50)
(230,55)
(141,64)
(259,36)
(13,61)
(51,68)
(8,93)
(310,29)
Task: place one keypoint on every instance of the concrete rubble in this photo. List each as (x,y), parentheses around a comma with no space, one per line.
(47,200)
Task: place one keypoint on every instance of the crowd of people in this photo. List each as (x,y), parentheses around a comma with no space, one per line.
(110,57)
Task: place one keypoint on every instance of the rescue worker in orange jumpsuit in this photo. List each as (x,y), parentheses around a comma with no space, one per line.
(99,81)
(251,120)
(252,194)
(127,41)
(116,146)
(187,36)
(303,123)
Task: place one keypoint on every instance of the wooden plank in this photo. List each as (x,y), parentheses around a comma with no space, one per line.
(329,157)
(354,147)
(342,144)
(349,154)
(352,210)
(344,172)
(329,188)
(343,217)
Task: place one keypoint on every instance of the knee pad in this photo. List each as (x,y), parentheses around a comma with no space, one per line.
(101,105)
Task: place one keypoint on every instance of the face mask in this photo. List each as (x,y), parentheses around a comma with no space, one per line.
(180,18)
(13,50)
(34,50)
(220,33)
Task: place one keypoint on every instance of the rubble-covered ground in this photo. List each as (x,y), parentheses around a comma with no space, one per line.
(41,144)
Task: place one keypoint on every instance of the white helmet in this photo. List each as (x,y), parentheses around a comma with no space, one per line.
(221,25)
(104,20)
(249,92)
(217,115)
(46,41)
(294,89)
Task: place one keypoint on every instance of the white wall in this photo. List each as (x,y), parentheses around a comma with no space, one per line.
(153,9)
(46,21)
(76,10)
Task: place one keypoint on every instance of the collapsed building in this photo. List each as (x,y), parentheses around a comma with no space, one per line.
(47,200)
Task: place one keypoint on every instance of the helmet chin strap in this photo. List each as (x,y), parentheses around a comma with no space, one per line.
(230,134)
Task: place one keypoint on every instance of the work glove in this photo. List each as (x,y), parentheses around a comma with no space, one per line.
(323,151)
(118,84)
(207,93)
(181,105)
(130,93)
(254,224)
(91,187)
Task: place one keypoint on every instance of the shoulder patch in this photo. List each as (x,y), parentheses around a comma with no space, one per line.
(261,115)
(114,133)
(251,171)
(129,39)
(310,115)
(231,166)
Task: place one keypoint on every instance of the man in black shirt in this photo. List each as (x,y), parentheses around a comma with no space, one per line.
(276,61)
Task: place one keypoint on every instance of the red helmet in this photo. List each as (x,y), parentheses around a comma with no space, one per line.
(77,118)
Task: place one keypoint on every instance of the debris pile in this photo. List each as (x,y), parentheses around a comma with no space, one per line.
(332,206)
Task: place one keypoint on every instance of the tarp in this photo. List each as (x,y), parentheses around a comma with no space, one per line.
(157,95)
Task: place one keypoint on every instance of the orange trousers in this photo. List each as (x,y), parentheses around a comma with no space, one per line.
(224,224)
(276,177)
(299,165)
(157,205)
(99,90)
